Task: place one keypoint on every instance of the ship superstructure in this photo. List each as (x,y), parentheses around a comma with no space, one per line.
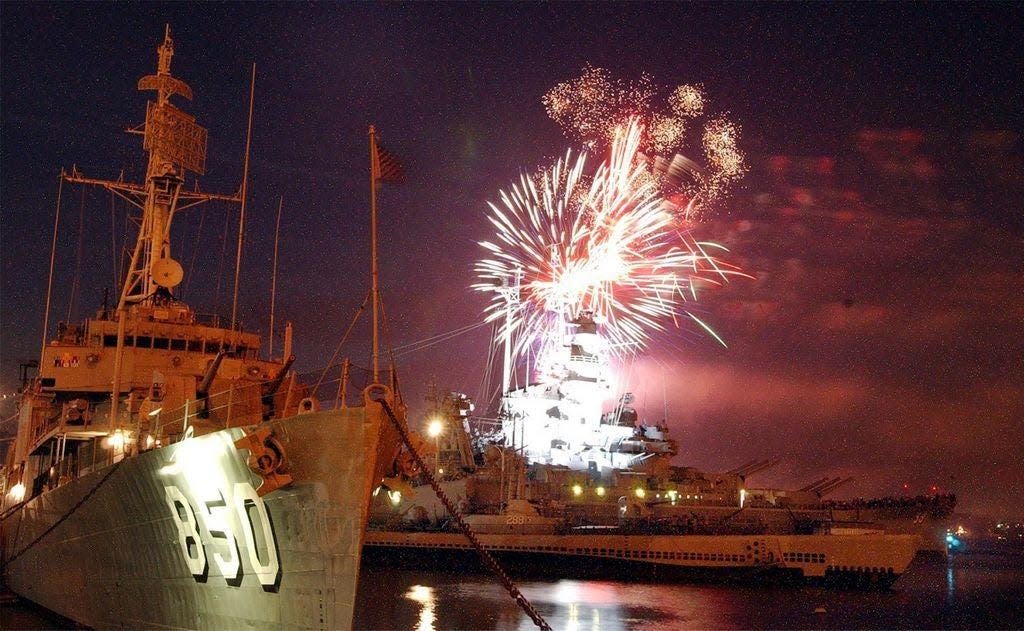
(129,372)
(560,422)
(164,473)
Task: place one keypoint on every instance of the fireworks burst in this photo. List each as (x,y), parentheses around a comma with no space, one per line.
(607,246)
(723,156)
(687,101)
(591,107)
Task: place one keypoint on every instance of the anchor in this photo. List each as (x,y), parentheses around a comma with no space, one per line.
(266,458)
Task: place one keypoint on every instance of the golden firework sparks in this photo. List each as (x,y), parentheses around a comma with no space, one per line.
(678,128)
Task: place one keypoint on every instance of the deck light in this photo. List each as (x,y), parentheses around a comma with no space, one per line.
(116,440)
(434,429)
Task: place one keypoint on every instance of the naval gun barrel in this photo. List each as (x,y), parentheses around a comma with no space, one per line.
(739,469)
(271,387)
(832,486)
(820,483)
(758,467)
(824,484)
(203,389)
(815,484)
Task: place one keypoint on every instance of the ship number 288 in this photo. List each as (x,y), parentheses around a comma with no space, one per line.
(212,532)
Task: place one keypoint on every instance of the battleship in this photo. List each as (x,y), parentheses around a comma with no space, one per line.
(562,477)
(164,473)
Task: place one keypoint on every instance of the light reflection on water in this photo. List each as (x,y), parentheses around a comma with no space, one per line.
(478,602)
(584,602)
(950,581)
(988,592)
(425,596)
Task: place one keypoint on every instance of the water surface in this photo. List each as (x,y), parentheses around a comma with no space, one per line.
(968,591)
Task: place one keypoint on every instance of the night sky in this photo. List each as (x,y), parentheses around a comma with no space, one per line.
(881,339)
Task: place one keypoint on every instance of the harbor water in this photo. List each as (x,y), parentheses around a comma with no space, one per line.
(967,591)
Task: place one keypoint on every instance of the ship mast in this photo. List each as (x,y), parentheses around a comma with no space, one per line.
(176,144)
(510,291)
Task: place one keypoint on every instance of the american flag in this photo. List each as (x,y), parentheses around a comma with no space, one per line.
(386,167)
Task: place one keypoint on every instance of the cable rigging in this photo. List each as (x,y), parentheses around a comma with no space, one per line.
(220,264)
(195,248)
(113,241)
(337,349)
(76,279)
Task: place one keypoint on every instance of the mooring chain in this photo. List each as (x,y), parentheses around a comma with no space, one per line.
(488,560)
(70,512)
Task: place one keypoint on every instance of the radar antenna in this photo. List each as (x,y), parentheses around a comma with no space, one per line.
(176,144)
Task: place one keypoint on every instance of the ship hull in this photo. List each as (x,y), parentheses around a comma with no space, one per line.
(178,537)
(931,528)
(867,560)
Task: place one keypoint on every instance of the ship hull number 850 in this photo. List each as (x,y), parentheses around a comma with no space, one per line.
(205,534)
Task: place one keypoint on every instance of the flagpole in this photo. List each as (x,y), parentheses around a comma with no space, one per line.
(273,277)
(374,290)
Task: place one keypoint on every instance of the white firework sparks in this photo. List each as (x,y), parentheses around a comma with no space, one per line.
(606,246)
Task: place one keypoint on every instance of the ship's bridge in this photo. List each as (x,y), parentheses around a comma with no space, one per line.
(167,351)
(82,356)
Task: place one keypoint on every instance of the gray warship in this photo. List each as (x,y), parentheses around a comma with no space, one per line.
(164,474)
(568,483)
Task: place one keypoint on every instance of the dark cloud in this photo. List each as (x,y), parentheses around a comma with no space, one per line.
(878,340)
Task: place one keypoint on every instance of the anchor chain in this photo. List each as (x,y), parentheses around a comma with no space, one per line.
(486,556)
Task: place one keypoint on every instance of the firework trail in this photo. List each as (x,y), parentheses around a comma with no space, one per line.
(608,246)
(592,106)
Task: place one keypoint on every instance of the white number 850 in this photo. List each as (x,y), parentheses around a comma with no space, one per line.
(252,515)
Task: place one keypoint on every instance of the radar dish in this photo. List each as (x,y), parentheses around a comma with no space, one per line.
(167,273)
